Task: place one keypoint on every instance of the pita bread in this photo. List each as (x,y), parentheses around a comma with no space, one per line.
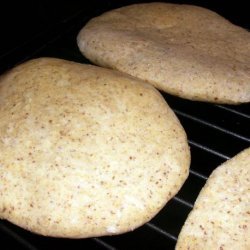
(85,151)
(220,218)
(184,50)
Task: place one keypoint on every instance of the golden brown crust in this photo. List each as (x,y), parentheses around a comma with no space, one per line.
(184,50)
(85,151)
(220,218)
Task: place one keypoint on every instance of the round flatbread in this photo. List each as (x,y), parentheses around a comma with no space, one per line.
(220,218)
(85,151)
(184,50)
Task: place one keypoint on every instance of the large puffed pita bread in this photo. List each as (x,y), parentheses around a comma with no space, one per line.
(85,151)
(220,218)
(184,50)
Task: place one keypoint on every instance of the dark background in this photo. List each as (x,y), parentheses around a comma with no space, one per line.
(22,20)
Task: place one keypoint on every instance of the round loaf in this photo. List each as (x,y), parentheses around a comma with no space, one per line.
(220,218)
(85,151)
(184,50)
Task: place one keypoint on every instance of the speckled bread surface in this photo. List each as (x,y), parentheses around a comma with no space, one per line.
(85,151)
(220,219)
(184,50)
